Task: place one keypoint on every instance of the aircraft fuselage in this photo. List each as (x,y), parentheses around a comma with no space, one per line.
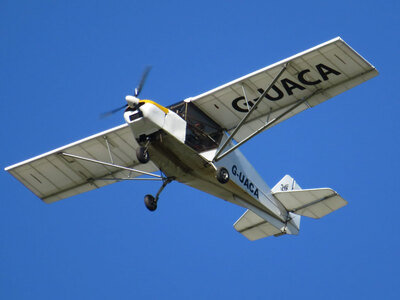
(165,135)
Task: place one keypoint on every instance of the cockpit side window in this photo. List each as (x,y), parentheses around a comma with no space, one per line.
(202,133)
(179,108)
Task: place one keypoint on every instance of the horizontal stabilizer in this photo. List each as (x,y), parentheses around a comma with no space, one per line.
(254,227)
(313,203)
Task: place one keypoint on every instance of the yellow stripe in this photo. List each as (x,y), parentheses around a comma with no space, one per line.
(164,109)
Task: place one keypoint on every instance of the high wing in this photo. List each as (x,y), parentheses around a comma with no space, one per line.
(67,171)
(310,78)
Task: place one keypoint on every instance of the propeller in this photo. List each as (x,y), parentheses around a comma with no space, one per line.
(131,100)
(139,88)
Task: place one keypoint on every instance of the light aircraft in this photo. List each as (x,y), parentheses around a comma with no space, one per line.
(196,142)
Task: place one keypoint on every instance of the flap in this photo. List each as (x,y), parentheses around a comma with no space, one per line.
(313,203)
(52,176)
(317,74)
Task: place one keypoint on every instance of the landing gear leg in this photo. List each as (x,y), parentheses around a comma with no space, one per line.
(150,201)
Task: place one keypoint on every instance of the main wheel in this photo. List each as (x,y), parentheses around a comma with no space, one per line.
(150,202)
(222,175)
(142,155)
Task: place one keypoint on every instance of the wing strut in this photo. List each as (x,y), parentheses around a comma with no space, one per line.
(110,164)
(217,155)
(269,124)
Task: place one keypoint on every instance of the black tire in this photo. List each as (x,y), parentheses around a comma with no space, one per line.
(150,202)
(142,155)
(222,175)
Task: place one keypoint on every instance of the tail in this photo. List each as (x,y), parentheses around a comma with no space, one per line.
(287,183)
(314,203)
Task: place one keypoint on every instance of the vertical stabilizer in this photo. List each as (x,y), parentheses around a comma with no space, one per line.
(287,183)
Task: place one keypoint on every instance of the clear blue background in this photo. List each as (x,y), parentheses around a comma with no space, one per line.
(62,63)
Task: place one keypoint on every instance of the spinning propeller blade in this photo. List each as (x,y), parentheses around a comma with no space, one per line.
(111,112)
(137,91)
(139,88)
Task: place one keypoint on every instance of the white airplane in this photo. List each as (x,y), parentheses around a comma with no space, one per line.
(196,142)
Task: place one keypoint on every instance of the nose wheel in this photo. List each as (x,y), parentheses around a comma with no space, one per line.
(150,201)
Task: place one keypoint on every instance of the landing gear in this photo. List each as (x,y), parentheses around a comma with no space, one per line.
(142,155)
(150,201)
(222,175)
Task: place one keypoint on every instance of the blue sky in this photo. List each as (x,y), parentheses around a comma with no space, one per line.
(65,62)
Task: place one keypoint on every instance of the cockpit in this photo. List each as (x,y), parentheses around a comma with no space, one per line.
(202,133)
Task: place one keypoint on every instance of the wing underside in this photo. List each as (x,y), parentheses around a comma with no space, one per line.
(54,175)
(312,76)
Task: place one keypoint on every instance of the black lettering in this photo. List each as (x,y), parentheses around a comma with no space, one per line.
(261,91)
(304,81)
(251,187)
(291,85)
(256,193)
(279,93)
(239,103)
(236,106)
(234,169)
(246,183)
(325,70)
(241,178)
